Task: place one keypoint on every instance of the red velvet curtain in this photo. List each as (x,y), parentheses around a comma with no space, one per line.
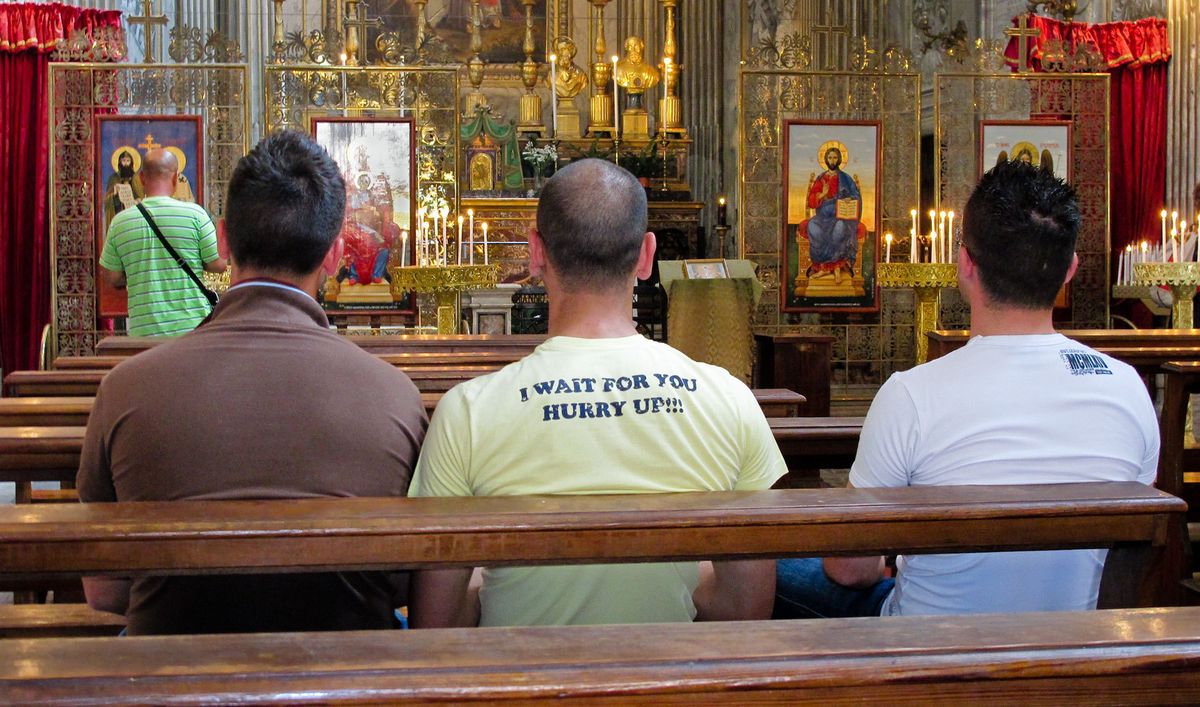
(1136,54)
(28,33)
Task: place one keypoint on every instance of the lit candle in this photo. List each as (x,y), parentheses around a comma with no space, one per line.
(485,244)
(912,238)
(950,238)
(933,246)
(1175,245)
(1172,243)
(1145,250)
(404,249)
(942,236)
(1163,215)
(459,239)
(616,101)
(345,98)
(887,258)
(722,211)
(420,242)
(553,95)
(471,236)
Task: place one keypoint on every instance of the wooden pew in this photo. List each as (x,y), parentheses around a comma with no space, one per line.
(405,343)
(1177,465)
(29,454)
(797,362)
(399,360)
(428,379)
(1146,656)
(942,342)
(310,535)
(52,620)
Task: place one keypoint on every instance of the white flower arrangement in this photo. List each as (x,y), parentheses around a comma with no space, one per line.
(539,157)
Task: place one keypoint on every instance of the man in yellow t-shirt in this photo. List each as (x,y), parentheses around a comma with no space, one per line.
(596,409)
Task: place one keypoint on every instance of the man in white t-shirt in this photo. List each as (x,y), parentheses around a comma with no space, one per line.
(1019,404)
(596,409)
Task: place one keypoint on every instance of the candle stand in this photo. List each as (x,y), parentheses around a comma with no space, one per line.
(926,281)
(1182,278)
(445,282)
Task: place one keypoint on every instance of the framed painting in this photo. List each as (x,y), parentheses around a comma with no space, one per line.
(709,269)
(377,159)
(831,216)
(1042,143)
(502,24)
(122,141)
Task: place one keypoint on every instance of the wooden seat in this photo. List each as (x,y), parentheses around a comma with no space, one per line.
(307,535)
(400,360)
(48,620)
(1148,656)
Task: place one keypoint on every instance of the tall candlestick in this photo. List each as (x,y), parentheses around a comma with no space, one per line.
(471,236)
(616,100)
(1145,250)
(1163,215)
(404,249)
(485,243)
(887,258)
(554,95)
(933,246)
(722,211)
(1174,220)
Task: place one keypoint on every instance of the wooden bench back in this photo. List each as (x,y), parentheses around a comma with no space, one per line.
(31,453)
(1100,657)
(404,343)
(308,535)
(400,360)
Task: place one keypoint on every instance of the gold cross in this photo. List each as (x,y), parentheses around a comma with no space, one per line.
(357,23)
(149,144)
(1023,32)
(149,22)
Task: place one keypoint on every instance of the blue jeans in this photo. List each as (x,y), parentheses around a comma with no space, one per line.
(804,591)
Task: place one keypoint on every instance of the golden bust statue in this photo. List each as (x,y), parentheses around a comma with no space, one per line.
(571,79)
(633,73)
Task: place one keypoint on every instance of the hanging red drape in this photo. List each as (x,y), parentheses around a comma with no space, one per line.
(1136,56)
(28,33)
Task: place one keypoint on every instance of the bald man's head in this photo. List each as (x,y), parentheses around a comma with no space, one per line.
(159,169)
(592,217)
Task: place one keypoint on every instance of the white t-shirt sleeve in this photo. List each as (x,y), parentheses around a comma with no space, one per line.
(1148,474)
(762,462)
(887,447)
(442,469)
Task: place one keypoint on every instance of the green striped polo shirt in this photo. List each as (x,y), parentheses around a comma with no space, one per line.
(163,300)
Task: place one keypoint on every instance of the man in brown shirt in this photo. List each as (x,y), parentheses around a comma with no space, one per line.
(262,401)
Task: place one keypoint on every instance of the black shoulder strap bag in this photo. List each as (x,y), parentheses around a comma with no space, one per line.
(208,294)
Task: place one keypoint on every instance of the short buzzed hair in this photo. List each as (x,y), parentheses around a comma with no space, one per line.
(592,218)
(1020,227)
(286,203)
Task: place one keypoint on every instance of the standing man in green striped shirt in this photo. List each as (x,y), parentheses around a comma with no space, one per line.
(163,300)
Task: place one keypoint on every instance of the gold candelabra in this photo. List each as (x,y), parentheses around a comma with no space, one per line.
(531,102)
(476,97)
(600,109)
(446,283)
(1182,278)
(926,281)
(670,108)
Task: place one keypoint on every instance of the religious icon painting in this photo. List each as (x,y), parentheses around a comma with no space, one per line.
(831,216)
(502,25)
(1041,143)
(377,159)
(122,142)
